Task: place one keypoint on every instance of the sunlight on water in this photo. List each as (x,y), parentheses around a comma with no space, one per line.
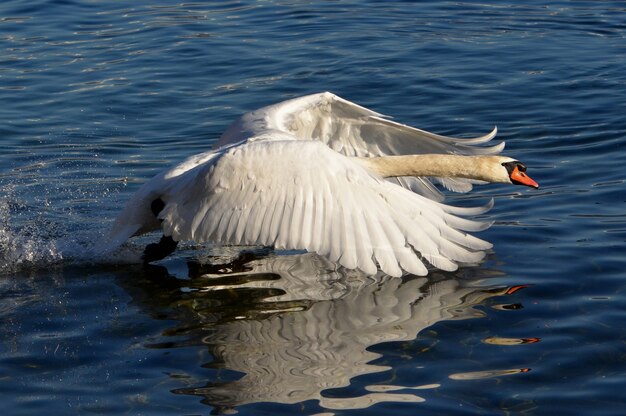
(100,96)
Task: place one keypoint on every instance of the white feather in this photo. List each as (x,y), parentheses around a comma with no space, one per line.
(353,130)
(284,176)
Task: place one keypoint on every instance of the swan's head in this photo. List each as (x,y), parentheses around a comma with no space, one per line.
(516,173)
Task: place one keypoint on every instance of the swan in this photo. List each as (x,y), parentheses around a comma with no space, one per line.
(322,174)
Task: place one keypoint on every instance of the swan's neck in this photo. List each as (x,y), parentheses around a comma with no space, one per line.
(484,168)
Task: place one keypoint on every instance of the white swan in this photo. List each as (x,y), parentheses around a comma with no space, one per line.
(309,173)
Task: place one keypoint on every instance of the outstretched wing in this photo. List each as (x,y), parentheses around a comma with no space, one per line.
(353,130)
(302,195)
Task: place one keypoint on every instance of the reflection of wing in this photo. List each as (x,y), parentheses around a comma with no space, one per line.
(290,356)
(353,130)
(302,195)
(305,276)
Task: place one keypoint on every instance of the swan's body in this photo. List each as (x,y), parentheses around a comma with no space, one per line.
(309,174)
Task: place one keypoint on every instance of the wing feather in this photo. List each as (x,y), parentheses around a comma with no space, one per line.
(303,195)
(325,194)
(381,246)
(306,218)
(255,216)
(297,217)
(353,130)
(317,220)
(270,206)
(336,238)
(363,243)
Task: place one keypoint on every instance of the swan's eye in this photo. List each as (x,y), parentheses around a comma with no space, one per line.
(514,165)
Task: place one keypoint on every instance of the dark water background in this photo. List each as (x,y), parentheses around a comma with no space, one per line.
(97,96)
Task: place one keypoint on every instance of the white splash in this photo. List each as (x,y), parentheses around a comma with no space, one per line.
(40,244)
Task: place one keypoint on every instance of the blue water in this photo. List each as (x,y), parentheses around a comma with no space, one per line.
(97,97)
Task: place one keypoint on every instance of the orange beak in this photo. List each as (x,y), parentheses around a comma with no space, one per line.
(514,289)
(521,178)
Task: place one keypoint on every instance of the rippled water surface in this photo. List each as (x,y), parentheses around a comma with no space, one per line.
(97,96)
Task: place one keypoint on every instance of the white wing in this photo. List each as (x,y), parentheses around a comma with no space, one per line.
(137,217)
(302,195)
(353,130)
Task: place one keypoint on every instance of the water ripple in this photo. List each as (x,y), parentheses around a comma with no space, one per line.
(99,96)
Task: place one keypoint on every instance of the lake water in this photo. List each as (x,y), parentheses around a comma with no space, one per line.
(97,96)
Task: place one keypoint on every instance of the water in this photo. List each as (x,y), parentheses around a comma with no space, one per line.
(98,96)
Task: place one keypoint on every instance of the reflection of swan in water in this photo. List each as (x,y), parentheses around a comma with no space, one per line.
(310,330)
